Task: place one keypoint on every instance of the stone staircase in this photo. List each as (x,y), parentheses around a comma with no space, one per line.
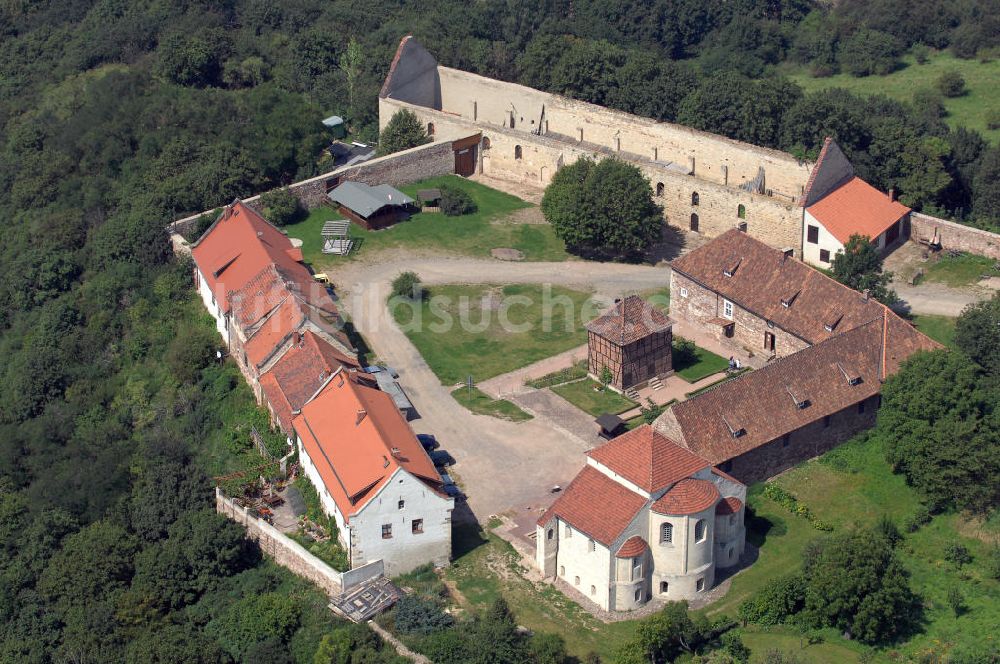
(632,394)
(655,383)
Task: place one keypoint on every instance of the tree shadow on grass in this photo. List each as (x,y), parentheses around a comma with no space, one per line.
(759,528)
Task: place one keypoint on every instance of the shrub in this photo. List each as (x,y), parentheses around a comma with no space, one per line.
(951,84)
(920,53)
(456,202)
(993,562)
(792,504)
(958,554)
(685,352)
(403,131)
(956,601)
(920,517)
(993,118)
(775,602)
(281,206)
(415,615)
(407,285)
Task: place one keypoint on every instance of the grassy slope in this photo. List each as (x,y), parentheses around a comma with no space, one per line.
(472,234)
(982,80)
(582,395)
(490,350)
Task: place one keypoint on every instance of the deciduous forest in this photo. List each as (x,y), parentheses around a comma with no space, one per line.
(117,116)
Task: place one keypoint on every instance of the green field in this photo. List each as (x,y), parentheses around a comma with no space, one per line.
(581,393)
(702,365)
(459,329)
(481,403)
(982,80)
(472,234)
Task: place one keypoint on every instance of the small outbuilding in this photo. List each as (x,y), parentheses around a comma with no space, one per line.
(371,207)
(609,426)
(633,341)
(430,199)
(335,124)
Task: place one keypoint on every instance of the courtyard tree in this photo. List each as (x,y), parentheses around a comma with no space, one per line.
(859,266)
(403,131)
(977,334)
(603,208)
(407,285)
(281,206)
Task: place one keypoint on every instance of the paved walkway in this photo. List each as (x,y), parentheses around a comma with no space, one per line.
(504,385)
(560,414)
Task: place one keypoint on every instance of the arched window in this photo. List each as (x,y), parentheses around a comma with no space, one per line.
(700,530)
(517,152)
(666,533)
(550,534)
(694,222)
(741,211)
(430,128)
(659,188)
(486,143)
(694,198)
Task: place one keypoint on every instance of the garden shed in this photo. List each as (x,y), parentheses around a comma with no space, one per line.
(371,207)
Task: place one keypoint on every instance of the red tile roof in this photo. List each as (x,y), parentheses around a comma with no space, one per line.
(730,505)
(632,547)
(301,371)
(647,458)
(727,421)
(765,278)
(276,329)
(357,439)
(689,496)
(856,207)
(629,320)
(596,505)
(238,246)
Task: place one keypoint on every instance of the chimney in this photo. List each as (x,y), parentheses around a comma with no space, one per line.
(296,337)
(361,415)
(865,295)
(892,194)
(395,452)
(787,253)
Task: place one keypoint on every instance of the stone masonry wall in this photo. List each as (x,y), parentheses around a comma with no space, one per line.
(291,555)
(519,156)
(805,443)
(701,305)
(955,236)
(400,168)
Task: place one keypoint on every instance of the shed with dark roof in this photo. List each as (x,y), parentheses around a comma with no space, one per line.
(371,207)
(633,341)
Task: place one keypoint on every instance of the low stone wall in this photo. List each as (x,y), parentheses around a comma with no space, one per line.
(291,555)
(955,236)
(399,168)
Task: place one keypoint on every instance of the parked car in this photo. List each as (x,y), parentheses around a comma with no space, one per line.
(442,458)
(446,478)
(453,490)
(428,441)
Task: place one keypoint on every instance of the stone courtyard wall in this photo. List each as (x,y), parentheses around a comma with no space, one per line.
(955,236)
(291,555)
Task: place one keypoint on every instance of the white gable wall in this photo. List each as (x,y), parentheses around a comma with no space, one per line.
(213,307)
(576,561)
(810,252)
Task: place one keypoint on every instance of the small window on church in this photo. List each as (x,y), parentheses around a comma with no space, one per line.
(659,188)
(700,531)
(694,222)
(576,580)
(562,570)
(700,585)
(569,531)
(694,198)
(593,590)
(666,533)
(664,586)
(591,546)
(549,534)
(517,152)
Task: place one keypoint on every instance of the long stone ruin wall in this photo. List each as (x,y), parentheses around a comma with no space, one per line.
(955,236)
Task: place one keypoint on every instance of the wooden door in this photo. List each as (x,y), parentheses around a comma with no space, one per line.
(465,161)
(769,341)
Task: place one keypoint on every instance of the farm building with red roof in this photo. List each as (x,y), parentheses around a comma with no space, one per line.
(645,519)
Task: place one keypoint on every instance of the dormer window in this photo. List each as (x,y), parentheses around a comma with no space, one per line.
(786,301)
(852,376)
(832,323)
(735,428)
(799,401)
(730,270)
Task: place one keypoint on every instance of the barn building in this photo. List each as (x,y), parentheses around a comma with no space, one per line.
(370,207)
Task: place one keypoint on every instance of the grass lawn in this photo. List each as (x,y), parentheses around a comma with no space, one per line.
(958,271)
(982,80)
(460,330)
(483,404)
(581,394)
(938,328)
(702,364)
(473,234)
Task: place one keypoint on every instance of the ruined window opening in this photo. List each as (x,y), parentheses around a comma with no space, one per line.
(517,152)
(663,587)
(694,222)
(741,211)
(549,534)
(486,143)
(694,198)
(659,188)
(430,128)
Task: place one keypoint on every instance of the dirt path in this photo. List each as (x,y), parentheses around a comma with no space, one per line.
(937,299)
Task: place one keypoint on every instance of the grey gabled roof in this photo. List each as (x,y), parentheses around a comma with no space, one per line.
(365,200)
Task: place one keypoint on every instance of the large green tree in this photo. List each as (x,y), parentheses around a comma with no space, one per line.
(602,208)
(403,131)
(977,333)
(859,266)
